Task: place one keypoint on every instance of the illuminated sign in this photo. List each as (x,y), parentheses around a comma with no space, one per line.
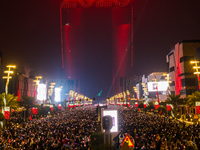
(41,91)
(57,94)
(162,86)
(114,115)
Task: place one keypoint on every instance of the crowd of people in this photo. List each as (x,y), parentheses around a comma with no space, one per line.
(72,130)
(67,130)
(157,132)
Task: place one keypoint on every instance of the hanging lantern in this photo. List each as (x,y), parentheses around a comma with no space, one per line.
(169,108)
(51,107)
(136,104)
(59,106)
(157,105)
(145,105)
(197,107)
(34,110)
(7,112)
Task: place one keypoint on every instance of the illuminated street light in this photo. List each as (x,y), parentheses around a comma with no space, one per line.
(51,91)
(8,77)
(37,81)
(168,81)
(196,67)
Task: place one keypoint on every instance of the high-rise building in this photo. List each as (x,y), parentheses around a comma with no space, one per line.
(181,71)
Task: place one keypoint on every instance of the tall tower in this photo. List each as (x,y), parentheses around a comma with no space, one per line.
(116,17)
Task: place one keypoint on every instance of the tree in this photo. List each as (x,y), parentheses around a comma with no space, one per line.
(175,100)
(192,99)
(27,102)
(11,101)
(1,116)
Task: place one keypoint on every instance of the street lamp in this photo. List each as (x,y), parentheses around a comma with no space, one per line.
(124,97)
(196,67)
(128,93)
(8,77)
(51,91)
(157,89)
(37,81)
(167,78)
(136,90)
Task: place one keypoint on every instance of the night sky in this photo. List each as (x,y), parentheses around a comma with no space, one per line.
(30,38)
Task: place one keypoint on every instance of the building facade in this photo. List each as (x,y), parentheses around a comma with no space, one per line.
(180,69)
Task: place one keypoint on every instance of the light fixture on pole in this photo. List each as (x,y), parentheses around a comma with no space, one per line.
(196,67)
(168,82)
(37,81)
(51,91)
(7,77)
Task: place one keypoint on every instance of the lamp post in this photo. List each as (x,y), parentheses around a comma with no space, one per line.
(8,77)
(37,81)
(196,67)
(157,89)
(128,93)
(136,90)
(51,91)
(124,97)
(168,82)
(145,92)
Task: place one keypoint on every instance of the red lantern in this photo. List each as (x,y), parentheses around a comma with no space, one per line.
(169,108)
(197,109)
(59,106)
(34,110)
(30,117)
(6,114)
(145,105)
(136,104)
(51,106)
(157,105)
(13,110)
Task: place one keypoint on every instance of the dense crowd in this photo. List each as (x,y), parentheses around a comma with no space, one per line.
(69,130)
(154,131)
(72,130)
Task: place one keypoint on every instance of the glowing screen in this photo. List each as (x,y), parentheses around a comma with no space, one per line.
(162,86)
(57,94)
(114,115)
(41,91)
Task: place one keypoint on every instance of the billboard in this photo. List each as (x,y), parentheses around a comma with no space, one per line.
(41,92)
(57,94)
(114,115)
(162,86)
